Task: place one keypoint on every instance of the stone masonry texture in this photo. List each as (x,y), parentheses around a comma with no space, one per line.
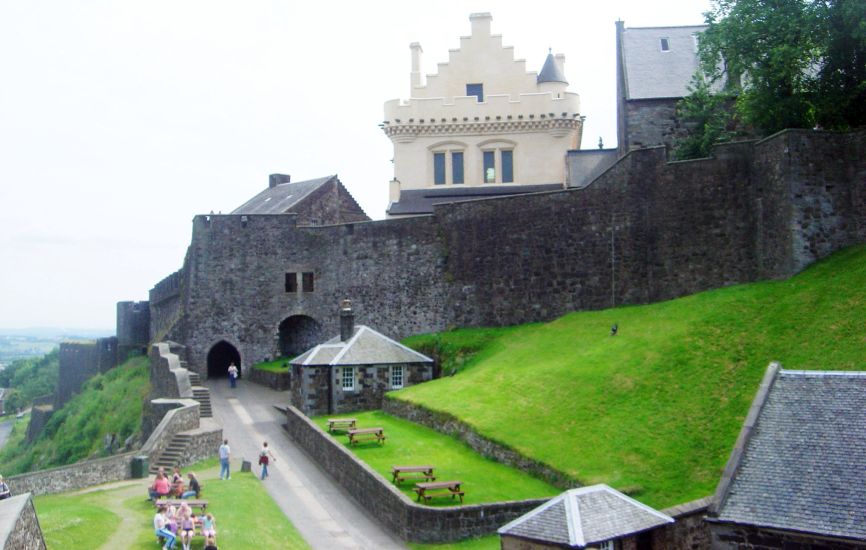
(646,230)
(19,525)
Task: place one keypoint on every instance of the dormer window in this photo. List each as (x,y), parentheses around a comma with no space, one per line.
(664,44)
(477,90)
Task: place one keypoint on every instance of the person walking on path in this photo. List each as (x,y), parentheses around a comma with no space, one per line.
(225,454)
(233,375)
(265,457)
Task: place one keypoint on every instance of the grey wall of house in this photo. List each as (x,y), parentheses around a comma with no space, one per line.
(645,230)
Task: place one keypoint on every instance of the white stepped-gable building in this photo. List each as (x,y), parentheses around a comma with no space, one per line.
(482,125)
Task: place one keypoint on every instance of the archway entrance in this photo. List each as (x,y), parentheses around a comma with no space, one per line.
(220,356)
(299,333)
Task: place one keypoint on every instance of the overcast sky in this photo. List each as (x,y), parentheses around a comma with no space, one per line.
(120,121)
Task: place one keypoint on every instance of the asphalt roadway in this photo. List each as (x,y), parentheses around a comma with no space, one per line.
(326,516)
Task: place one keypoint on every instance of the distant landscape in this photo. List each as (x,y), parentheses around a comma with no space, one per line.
(37,341)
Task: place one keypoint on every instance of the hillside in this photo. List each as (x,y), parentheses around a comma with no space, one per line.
(109,403)
(654,410)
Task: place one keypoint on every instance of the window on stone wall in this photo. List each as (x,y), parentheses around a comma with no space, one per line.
(606,545)
(307,282)
(439,168)
(348,378)
(291,282)
(477,90)
(397,377)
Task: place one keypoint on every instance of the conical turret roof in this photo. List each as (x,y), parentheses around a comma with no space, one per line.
(551,71)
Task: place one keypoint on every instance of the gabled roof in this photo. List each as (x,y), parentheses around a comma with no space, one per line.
(649,71)
(800,462)
(551,71)
(365,347)
(421,201)
(587,515)
(281,198)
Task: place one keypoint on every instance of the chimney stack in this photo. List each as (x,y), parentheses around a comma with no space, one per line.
(480,23)
(276,179)
(347,320)
(415,76)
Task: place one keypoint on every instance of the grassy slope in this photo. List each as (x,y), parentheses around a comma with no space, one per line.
(411,444)
(656,409)
(243,510)
(108,403)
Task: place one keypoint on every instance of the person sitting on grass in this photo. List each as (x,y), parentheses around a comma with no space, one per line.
(194,487)
(161,487)
(159,527)
(210,544)
(187,528)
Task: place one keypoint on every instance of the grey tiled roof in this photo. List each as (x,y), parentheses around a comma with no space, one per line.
(421,201)
(281,198)
(585,516)
(653,73)
(804,464)
(365,347)
(551,71)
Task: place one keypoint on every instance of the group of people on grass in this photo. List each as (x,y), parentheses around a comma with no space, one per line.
(173,522)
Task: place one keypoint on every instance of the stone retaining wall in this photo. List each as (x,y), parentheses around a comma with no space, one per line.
(19,526)
(279,381)
(72,477)
(450,425)
(404,518)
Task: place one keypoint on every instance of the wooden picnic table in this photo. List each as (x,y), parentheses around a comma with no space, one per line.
(366,434)
(341,424)
(428,490)
(418,472)
(192,503)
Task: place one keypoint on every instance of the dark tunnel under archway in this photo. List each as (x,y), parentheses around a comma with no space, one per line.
(220,356)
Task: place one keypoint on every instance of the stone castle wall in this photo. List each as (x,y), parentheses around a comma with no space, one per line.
(79,362)
(19,526)
(133,326)
(645,230)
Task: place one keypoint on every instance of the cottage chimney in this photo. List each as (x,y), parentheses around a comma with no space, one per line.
(276,179)
(347,320)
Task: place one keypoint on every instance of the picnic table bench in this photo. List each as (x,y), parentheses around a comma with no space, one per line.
(419,472)
(341,424)
(428,490)
(366,434)
(192,503)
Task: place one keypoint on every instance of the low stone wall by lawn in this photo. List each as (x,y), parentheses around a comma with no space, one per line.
(73,477)
(408,520)
(279,381)
(450,425)
(19,526)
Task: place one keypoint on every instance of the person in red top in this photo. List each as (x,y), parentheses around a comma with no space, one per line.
(161,486)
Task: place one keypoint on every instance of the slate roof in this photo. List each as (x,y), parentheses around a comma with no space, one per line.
(421,201)
(281,198)
(803,462)
(551,71)
(653,73)
(587,515)
(365,347)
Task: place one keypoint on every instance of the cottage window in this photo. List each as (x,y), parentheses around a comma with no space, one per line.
(606,545)
(291,282)
(307,282)
(348,378)
(397,377)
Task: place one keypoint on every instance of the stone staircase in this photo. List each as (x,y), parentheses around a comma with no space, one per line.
(172,454)
(201,394)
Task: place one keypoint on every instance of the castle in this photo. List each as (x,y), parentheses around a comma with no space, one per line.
(259,284)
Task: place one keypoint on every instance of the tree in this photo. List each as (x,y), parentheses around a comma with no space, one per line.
(768,50)
(841,86)
(708,119)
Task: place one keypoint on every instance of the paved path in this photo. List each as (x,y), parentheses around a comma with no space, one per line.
(325,515)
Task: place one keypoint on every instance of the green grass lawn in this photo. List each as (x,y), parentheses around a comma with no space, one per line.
(490,542)
(279,365)
(122,517)
(655,410)
(408,443)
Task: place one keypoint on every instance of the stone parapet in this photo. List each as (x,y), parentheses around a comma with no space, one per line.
(74,476)
(406,519)
(279,381)
(19,526)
